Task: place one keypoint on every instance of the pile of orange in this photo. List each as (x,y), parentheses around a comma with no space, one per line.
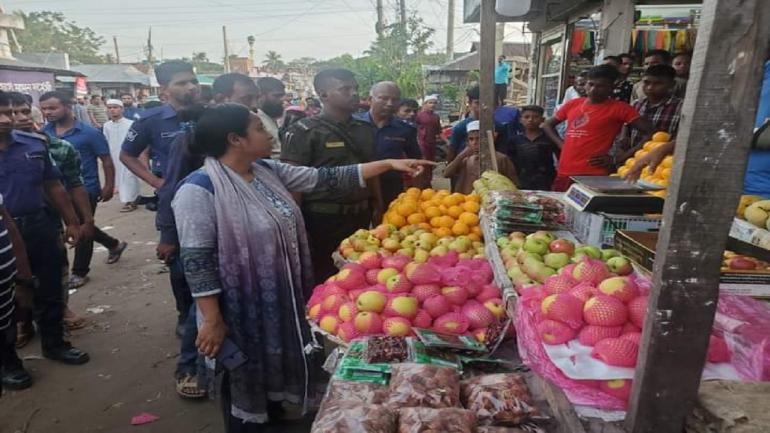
(441,212)
(662,174)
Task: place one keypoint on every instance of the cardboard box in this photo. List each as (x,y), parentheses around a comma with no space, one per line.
(640,247)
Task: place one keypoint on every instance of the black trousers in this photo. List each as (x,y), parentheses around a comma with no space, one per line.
(85,249)
(325,233)
(41,237)
(8,358)
(501,91)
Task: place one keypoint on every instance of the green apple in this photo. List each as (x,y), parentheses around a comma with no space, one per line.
(407,243)
(444,242)
(361,234)
(409,252)
(503,242)
(536,245)
(428,237)
(548,237)
(610,253)
(589,250)
(391,244)
(421,255)
(424,244)
(440,250)
(556,260)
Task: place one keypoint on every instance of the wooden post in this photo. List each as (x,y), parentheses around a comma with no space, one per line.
(487,79)
(710,160)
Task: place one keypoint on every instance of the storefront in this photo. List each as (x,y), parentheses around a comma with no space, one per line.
(573,39)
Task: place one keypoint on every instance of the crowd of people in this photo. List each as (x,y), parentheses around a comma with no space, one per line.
(253,195)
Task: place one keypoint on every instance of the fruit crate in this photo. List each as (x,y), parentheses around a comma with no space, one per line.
(599,228)
(749,233)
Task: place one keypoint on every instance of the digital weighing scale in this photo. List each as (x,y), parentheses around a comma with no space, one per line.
(612,194)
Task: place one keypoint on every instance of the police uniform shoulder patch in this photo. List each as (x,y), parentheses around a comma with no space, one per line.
(131,134)
(31,136)
(401,122)
(305,124)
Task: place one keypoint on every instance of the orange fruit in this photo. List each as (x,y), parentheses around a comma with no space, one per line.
(406,208)
(432,212)
(424,205)
(457,198)
(454,211)
(442,193)
(630,162)
(469,219)
(413,192)
(474,237)
(447,201)
(471,206)
(443,209)
(401,196)
(473,197)
(435,222)
(460,229)
(476,230)
(427,194)
(416,218)
(665,173)
(661,137)
(397,220)
(442,232)
(446,221)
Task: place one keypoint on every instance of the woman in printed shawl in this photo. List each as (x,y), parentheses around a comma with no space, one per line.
(246,258)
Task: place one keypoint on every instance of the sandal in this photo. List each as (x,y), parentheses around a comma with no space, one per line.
(75,323)
(116,252)
(128,207)
(187,387)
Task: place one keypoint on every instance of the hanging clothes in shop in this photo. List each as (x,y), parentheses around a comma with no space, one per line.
(582,40)
(673,41)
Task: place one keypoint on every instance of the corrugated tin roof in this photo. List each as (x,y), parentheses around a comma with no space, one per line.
(113,73)
(21,65)
(471,61)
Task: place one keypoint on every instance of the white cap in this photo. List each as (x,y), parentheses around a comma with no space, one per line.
(473,126)
(433,97)
(115,102)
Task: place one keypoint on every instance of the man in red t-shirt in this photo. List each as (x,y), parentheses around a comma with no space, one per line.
(593,123)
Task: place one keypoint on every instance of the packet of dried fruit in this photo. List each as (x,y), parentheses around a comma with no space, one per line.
(424,355)
(440,340)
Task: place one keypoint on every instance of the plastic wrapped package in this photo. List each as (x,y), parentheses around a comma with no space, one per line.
(498,399)
(522,429)
(426,420)
(359,392)
(350,418)
(381,349)
(424,385)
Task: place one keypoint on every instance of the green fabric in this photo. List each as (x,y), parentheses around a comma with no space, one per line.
(67,159)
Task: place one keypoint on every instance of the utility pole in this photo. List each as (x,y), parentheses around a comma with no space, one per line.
(117,53)
(402,7)
(149,47)
(380,19)
(227,54)
(487,83)
(450,30)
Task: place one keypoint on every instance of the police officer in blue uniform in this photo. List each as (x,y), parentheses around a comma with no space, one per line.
(394,138)
(156,130)
(27,178)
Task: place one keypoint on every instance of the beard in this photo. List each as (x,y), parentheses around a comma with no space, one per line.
(272,109)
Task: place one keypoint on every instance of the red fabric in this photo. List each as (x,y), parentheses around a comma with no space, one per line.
(561,184)
(590,132)
(428,127)
(578,37)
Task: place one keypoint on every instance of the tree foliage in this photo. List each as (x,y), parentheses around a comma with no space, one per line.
(399,55)
(273,61)
(202,64)
(47,32)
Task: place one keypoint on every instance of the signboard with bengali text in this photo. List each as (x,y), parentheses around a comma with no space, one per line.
(33,83)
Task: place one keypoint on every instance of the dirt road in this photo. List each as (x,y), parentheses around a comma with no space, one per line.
(132,345)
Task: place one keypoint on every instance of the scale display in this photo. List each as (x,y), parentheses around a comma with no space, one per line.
(612,197)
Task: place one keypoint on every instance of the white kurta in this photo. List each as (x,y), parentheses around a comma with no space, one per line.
(127,183)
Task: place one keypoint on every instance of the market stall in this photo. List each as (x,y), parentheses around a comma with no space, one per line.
(612,346)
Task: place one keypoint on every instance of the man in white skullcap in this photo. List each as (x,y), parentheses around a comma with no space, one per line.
(115,131)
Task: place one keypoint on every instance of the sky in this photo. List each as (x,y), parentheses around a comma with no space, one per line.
(294,28)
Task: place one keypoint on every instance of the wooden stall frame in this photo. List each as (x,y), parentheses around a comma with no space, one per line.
(713,143)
